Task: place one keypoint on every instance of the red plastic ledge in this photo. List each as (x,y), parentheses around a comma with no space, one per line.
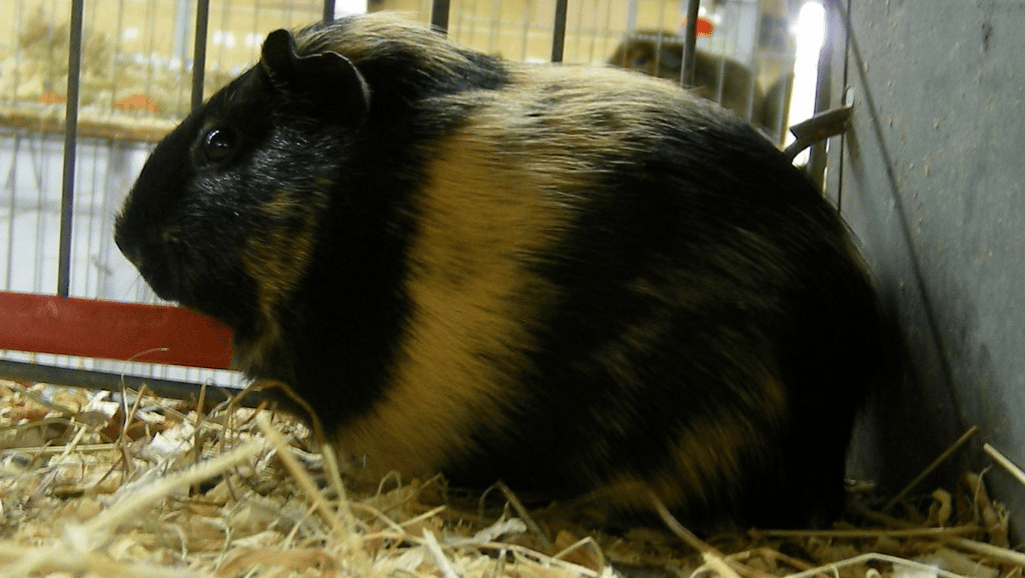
(112,330)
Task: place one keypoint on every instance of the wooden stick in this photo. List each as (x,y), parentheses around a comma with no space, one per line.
(935,464)
(1004,462)
(858,533)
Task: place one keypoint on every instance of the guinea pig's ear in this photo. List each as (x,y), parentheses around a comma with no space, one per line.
(327,77)
(278,56)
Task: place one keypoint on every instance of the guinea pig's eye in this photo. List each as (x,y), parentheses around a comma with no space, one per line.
(218,144)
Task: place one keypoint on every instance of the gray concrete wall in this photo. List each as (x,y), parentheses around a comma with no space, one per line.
(931,176)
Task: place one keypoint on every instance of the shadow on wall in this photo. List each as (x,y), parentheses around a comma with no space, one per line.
(950,383)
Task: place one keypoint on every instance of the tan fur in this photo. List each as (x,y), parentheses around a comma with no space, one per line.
(484,222)
(707,456)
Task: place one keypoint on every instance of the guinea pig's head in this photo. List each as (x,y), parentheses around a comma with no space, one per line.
(223,216)
(650,52)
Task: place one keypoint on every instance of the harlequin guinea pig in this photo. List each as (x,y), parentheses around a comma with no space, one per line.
(574,280)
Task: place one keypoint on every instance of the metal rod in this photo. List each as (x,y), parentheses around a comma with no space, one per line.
(690,41)
(70,141)
(559,34)
(631,16)
(439,16)
(199,52)
(100,381)
(329,10)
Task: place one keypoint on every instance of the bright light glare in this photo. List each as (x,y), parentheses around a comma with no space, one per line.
(810,31)
(347,7)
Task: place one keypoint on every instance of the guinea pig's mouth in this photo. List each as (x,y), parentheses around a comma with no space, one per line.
(162,281)
(131,252)
(153,261)
(159,276)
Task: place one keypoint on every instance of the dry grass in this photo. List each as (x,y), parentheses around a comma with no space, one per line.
(90,487)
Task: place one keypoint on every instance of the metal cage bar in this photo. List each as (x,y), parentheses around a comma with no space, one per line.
(559,32)
(690,44)
(98,380)
(70,148)
(440,10)
(199,52)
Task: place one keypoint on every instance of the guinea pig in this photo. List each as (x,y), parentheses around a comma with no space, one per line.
(580,281)
(718,78)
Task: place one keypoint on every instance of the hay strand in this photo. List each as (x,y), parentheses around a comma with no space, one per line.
(833,568)
(932,466)
(1004,462)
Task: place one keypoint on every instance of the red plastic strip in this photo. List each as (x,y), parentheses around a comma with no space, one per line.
(112,330)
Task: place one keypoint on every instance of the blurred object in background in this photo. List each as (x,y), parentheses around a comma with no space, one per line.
(744,60)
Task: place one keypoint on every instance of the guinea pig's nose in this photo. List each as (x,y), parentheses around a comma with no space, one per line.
(131,251)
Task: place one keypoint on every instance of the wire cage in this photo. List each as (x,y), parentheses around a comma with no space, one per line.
(134,83)
(745,49)
(88,87)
